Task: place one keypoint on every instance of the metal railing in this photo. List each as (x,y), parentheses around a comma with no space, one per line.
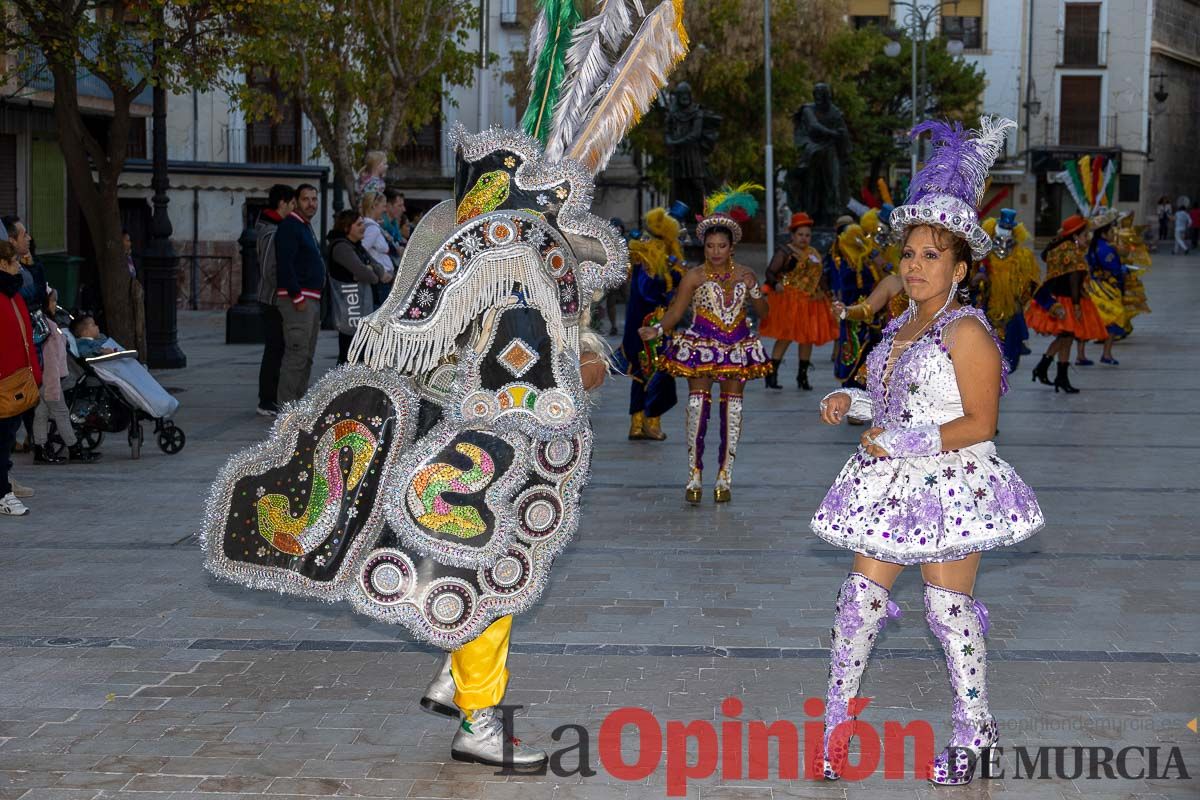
(1049,131)
(29,72)
(241,149)
(205,282)
(1082,48)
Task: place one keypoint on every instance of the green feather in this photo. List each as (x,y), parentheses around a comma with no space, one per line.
(561,18)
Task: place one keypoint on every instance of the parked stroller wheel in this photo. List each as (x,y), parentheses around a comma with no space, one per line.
(171,439)
(90,438)
(136,437)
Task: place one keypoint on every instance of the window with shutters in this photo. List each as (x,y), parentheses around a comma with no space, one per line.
(1081,35)
(424,148)
(1079,110)
(275,141)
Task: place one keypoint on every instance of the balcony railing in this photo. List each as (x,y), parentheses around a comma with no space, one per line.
(30,73)
(1048,131)
(242,148)
(1082,48)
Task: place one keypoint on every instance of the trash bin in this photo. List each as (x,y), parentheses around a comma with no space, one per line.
(62,272)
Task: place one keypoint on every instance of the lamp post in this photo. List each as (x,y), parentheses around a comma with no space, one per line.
(160,262)
(917,17)
(770,152)
(1033,108)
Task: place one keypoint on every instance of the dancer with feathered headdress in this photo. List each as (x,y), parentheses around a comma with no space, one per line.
(719,346)
(657,268)
(926,486)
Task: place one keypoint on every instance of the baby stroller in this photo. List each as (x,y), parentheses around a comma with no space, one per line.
(113,393)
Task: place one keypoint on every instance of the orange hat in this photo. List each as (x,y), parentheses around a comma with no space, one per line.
(1072,225)
(800,220)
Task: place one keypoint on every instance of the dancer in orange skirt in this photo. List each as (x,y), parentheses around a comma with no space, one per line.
(1061,307)
(799,301)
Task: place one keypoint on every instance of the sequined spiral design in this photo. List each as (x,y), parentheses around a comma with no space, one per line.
(425,501)
(298,535)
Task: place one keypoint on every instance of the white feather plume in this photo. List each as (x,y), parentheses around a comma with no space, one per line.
(537,38)
(588,63)
(990,144)
(631,86)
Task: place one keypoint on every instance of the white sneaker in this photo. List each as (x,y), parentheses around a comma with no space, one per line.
(20,489)
(11,506)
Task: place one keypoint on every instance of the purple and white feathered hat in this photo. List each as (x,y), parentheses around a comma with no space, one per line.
(947,191)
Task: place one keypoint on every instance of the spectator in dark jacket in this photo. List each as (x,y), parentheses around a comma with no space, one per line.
(300,273)
(351,266)
(17,353)
(282,201)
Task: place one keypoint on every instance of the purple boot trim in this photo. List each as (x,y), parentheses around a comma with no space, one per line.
(862,611)
(698,406)
(959,621)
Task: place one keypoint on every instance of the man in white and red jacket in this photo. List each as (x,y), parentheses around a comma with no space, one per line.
(16,353)
(300,276)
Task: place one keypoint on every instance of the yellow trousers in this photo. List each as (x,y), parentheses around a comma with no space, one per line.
(479,668)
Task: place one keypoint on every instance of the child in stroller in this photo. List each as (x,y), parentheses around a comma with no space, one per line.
(110,391)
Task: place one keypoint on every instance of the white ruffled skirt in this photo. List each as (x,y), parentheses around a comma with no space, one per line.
(931,508)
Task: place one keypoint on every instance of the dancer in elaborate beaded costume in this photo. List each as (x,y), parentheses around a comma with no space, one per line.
(853,275)
(926,486)
(1061,306)
(719,345)
(799,301)
(1007,278)
(657,266)
(439,474)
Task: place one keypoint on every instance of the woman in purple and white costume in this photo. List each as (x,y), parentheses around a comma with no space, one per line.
(926,486)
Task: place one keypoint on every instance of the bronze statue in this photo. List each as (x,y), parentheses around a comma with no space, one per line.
(818,183)
(691,136)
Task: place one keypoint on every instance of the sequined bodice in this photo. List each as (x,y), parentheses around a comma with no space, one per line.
(922,388)
(723,305)
(806,275)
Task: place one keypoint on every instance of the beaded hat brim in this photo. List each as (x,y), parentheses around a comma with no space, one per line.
(719,221)
(943,211)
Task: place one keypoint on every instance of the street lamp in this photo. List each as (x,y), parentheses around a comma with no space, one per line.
(918,17)
(1160,94)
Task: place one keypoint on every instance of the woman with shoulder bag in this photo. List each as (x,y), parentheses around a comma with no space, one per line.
(20,371)
(352,273)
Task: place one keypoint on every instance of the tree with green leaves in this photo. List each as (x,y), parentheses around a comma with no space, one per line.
(874,91)
(366,73)
(115,43)
(725,71)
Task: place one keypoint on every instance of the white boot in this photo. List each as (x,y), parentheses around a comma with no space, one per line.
(960,622)
(480,739)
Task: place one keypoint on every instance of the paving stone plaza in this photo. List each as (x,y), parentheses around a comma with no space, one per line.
(127,671)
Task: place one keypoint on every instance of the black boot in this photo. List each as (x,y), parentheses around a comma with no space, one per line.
(772,378)
(1042,371)
(1061,381)
(802,377)
(43,456)
(78,454)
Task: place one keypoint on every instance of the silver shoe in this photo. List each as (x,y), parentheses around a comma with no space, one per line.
(439,694)
(480,740)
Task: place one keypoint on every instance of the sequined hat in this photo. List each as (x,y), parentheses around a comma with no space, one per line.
(946,191)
